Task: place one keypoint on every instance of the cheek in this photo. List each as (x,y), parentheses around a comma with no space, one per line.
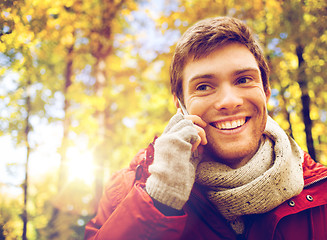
(261,93)
(198,106)
(258,97)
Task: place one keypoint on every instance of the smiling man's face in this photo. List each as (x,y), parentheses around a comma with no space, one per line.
(225,89)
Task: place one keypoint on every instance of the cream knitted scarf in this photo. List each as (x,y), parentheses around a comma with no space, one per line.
(272,176)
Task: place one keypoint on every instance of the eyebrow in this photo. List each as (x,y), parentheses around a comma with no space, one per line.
(249,69)
(202,76)
(236,73)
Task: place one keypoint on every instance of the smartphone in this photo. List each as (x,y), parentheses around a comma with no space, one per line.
(185,112)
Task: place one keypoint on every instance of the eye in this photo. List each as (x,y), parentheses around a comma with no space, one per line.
(203,87)
(243,80)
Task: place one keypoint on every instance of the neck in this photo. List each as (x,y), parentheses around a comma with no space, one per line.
(233,163)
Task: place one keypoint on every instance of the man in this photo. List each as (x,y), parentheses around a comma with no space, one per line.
(223,169)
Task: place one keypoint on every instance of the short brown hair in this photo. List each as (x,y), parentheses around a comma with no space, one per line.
(203,38)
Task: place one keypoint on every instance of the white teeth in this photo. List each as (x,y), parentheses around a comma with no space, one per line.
(230,124)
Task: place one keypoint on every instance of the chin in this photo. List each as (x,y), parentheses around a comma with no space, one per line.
(230,157)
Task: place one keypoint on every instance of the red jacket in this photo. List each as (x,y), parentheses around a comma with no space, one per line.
(126,211)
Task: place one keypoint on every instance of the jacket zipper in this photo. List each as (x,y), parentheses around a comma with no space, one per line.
(318,180)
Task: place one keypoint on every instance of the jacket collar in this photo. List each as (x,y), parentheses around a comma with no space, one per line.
(313,172)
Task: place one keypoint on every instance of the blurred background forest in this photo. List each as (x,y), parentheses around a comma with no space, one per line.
(84,85)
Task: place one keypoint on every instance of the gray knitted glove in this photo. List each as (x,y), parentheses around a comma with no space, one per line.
(173,169)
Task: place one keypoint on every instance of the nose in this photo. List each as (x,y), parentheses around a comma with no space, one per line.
(228,98)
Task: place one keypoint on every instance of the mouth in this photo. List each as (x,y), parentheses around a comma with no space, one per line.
(231,124)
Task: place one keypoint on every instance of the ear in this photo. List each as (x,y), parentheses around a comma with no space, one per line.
(268,94)
(176,101)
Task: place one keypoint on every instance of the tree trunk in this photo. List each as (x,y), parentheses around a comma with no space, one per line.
(286,112)
(305,99)
(101,49)
(53,232)
(100,153)
(63,175)
(25,184)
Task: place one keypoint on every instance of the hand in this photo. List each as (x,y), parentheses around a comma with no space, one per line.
(173,169)
(199,124)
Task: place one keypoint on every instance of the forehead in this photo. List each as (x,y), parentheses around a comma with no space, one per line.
(222,62)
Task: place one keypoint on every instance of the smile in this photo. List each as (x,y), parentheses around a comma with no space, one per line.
(228,125)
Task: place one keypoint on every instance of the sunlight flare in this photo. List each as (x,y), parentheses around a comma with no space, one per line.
(80,165)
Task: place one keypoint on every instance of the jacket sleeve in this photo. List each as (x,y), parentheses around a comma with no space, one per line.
(126,211)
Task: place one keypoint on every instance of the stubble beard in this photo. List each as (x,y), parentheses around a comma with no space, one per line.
(234,154)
